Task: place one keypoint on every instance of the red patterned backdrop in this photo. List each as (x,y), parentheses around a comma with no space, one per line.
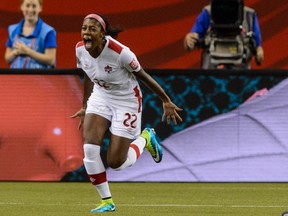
(154,30)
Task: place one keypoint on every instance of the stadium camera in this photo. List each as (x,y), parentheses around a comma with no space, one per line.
(227,16)
(226,42)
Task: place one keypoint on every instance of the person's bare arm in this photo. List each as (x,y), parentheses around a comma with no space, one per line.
(170,109)
(10,55)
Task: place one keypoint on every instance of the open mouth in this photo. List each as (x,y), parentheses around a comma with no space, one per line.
(88,43)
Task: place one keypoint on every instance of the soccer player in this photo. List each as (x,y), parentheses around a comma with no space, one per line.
(113,101)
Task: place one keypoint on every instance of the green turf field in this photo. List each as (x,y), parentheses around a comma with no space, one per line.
(137,199)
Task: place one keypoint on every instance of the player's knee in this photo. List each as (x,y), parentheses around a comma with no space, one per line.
(91,151)
(92,139)
(115,164)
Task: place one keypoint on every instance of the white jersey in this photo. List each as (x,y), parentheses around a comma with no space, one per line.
(116,93)
(112,70)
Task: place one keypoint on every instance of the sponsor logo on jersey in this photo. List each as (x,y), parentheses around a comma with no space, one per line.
(134,64)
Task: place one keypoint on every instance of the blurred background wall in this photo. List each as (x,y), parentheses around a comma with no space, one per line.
(154,30)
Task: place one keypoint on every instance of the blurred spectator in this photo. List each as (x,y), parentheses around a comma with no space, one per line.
(229,34)
(31,42)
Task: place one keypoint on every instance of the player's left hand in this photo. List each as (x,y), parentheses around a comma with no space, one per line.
(170,113)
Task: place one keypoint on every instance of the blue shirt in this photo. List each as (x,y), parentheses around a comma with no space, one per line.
(202,25)
(43,37)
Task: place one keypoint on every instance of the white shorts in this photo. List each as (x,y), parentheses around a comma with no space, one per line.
(124,115)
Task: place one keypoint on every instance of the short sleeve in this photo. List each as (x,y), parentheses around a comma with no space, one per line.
(9,42)
(129,60)
(50,40)
(256,30)
(202,23)
(78,64)
(78,54)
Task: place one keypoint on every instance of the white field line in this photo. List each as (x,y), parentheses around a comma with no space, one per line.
(152,205)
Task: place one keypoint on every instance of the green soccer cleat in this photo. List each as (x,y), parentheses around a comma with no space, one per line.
(152,145)
(105,206)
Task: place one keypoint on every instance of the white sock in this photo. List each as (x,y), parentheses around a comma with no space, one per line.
(135,150)
(96,170)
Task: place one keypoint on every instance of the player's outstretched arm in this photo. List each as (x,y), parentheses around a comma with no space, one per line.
(170,109)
